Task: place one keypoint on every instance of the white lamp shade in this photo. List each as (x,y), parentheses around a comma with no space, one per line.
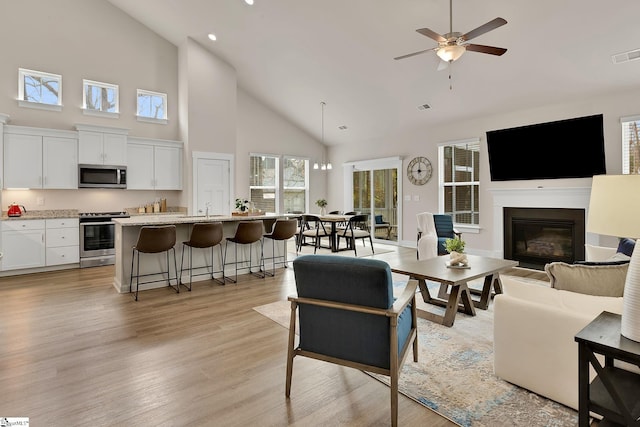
(614,207)
(614,210)
(451,52)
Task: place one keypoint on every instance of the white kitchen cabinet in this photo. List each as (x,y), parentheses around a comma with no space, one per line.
(102,145)
(40,158)
(23,244)
(62,241)
(154,164)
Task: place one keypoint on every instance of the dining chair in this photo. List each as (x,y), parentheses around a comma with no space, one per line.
(313,228)
(348,316)
(357,228)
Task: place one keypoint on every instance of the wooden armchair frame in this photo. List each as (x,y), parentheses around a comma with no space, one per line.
(397,359)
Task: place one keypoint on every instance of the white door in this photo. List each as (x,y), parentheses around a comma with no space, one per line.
(59,162)
(212,186)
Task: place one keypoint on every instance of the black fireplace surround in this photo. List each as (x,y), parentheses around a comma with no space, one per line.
(537,236)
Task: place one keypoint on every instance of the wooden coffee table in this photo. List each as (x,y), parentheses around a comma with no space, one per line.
(459,298)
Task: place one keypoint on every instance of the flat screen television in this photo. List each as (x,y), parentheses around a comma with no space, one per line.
(572,148)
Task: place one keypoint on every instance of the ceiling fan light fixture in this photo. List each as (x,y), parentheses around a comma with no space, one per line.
(450,53)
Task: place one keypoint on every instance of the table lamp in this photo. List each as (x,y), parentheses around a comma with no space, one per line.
(614,210)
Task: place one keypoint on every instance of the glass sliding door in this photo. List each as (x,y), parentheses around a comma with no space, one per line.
(375,193)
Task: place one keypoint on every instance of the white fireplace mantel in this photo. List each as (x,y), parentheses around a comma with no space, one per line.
(538,197)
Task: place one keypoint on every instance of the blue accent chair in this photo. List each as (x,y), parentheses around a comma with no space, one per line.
(444,230)
(348,316)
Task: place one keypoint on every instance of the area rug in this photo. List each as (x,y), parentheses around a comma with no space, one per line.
(363,250)
(454,376)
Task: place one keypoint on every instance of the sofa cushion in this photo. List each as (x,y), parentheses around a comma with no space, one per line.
(599,280)
(617,259)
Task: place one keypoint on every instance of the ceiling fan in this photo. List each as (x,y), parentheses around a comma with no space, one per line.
(452,45)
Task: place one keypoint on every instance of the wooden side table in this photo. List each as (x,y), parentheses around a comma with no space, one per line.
(615,392)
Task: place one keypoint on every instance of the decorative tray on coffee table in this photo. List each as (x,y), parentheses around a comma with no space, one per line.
(457,266)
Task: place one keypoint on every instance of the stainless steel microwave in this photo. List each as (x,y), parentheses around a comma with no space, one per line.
(102,176)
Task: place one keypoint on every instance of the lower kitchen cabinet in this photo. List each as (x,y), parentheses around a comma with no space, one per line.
(23,243)
(39,243)
(62,241)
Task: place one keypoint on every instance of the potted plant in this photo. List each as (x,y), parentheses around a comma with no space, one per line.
(242,205)
(455,247)
(322,204)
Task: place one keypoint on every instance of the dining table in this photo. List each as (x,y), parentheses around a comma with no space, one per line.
(334,220)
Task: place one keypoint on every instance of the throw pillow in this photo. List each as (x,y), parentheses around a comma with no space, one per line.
(600,280)
(626,246)
(617,259)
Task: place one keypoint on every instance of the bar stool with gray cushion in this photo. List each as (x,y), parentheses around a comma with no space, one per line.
(204,235)
(154,240)
(283,230)
(247,233)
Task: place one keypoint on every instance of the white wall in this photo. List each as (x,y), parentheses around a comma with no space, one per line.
(95,40)
(424,142)
(261,130)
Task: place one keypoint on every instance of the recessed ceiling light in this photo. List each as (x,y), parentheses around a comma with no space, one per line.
(212,37)
(248,2)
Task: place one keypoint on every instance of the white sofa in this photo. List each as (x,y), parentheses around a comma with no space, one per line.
(534,330)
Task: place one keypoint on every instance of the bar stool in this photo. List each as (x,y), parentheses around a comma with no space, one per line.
(283,230)
(204,235)
(247,233)
(154,240)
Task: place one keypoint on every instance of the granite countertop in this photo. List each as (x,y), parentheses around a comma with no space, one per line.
(43,214)
(156,219)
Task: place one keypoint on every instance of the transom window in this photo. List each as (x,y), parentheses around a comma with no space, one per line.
(459,181)
(100,97)
(152,106)
(630,145)
(37,89)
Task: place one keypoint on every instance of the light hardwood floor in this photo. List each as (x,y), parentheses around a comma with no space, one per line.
(74,352)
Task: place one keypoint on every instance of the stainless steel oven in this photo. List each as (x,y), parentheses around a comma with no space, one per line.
(97,238)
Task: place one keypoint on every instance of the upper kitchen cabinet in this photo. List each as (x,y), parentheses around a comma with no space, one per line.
(154,164)
(100,145)
(40,158)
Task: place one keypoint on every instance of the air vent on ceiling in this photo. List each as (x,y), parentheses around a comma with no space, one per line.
(343,127)
(424,107)
(631,55)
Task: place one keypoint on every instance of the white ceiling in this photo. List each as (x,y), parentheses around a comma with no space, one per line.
(293,54)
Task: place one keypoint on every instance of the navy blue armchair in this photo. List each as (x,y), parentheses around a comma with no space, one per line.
(444,230)
(348,316)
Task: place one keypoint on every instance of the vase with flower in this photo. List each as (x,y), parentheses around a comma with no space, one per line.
(322,204)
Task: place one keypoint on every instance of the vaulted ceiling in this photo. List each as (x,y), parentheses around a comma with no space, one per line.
(293,54)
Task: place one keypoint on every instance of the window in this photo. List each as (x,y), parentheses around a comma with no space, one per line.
(100,97)
(263,183)
(459,181)
(630,145)
(152,106)
(295,184)
(37,89)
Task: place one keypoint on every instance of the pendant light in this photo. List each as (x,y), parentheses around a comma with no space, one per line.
(323,166)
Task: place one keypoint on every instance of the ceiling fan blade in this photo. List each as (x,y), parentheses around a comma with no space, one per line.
(491,25)
(492,50)
(432,35)
(412,54)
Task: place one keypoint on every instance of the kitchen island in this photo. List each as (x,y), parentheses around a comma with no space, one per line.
(126,236)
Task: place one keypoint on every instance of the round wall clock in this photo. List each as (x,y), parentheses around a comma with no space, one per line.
(419,170)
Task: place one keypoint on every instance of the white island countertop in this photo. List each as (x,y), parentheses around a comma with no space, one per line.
(182,219)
